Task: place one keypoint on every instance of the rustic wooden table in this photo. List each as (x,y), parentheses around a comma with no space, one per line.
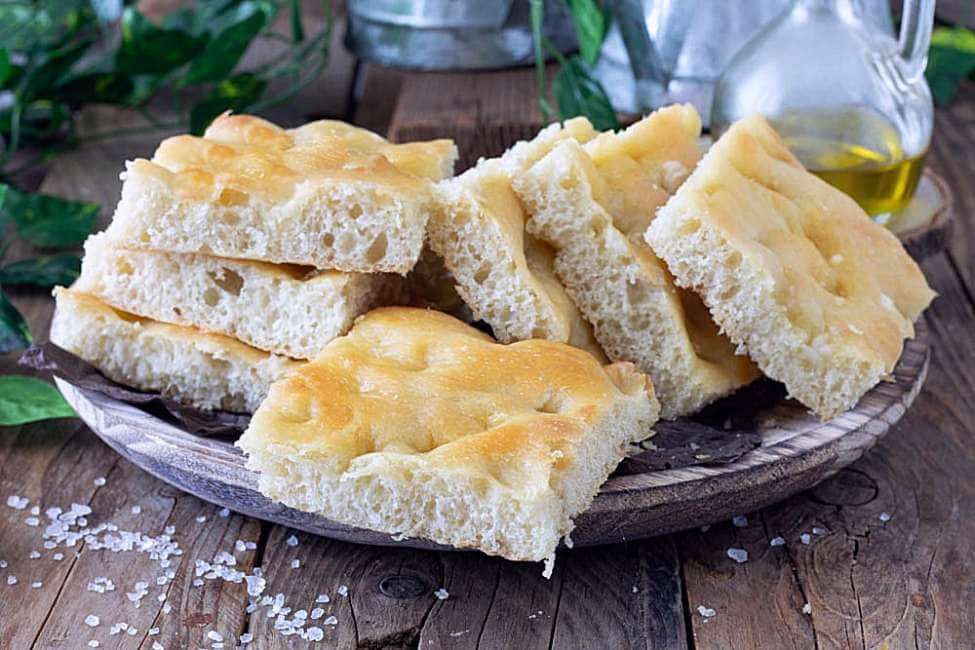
(890,558)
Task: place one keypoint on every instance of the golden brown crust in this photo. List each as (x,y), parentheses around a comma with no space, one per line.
(413,381)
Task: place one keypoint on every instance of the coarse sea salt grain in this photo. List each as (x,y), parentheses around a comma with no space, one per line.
(322,598)
(314,634)
(213,635)
(739,555)
(17,502)
(246,637)
(331,620)
(157,646)
(706,612)
(818,530)
(317,613)
(11,580)
(292,541)
(807,609)
(777,541)
(441,594)
(342,590)
(93,643)
(33,555)
(100,481)
(135,510)
(224,512)
(296,563)
(740,521)
(92,621)
(200,519)
(805,538)
(884,517)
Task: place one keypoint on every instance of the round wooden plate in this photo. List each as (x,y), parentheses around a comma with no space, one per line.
(798,450)
(925,226)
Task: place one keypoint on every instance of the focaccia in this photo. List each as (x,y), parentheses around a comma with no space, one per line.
(505,276)
(416,424)
(208,371)
(281,308)
(592,203)
(792,269)
(326,194)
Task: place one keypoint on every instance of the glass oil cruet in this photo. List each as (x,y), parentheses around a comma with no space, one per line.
(850,100)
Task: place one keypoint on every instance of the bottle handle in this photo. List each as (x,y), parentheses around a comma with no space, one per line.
(645,61)
(917,21)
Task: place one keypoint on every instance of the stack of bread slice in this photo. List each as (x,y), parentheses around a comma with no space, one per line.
(235,256)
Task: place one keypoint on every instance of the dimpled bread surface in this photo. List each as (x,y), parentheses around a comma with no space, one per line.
(208,371)
(281,308)
(505,276)
(592,203)
(326,194)
(792,269)
(417,424)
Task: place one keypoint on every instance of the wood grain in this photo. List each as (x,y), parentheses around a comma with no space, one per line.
(869,582)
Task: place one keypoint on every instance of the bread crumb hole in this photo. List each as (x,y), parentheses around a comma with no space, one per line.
(690,227)
(377,250)
(328,239)
(482,273)
(211,297)
(355,211)
(228,280)
(124,267)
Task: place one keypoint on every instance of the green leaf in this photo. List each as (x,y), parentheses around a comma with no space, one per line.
(577,93)
(42,271)
(14,333)
(234,94)
(101,87)
(26,399)
(297,33)
(47,220)
(591,22)
(51,69)
(148,49)
(223,52)
(950,59)
(4,66)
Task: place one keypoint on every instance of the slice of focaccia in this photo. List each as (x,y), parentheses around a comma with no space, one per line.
(281,308)
(505,276)
(326,194)
(208,371)
(417,424)
(791,268)
(592,203)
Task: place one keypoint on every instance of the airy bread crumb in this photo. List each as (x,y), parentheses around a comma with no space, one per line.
(285,309)
(208,371)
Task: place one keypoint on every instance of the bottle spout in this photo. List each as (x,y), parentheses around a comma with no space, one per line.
(917,21)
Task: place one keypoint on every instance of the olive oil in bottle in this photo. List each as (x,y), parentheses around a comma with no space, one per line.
(859,153)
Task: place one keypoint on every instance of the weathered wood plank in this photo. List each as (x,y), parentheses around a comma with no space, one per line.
(484,113)
(869,580)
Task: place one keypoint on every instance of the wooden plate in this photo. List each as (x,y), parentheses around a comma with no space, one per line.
(797,451)
(925,226)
